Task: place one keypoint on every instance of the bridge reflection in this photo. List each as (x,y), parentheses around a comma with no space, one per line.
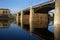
(40,33)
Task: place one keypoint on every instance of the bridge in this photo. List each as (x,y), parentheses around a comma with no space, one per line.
(37,17)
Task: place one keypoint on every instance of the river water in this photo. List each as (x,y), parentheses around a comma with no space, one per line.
(11,31)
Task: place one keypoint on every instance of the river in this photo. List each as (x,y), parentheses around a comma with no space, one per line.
(11,31)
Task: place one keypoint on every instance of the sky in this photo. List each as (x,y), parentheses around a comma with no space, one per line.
(18,5)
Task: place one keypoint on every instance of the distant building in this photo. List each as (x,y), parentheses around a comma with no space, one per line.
(4,12)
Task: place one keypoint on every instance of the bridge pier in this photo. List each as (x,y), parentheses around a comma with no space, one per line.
(31,19)
(21,19)
(17,18)
(25,19)
(57,20)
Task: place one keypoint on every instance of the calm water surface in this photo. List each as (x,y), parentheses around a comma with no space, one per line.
(14,32)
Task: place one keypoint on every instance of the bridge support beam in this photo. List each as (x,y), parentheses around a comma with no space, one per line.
(21,19)
(57,20)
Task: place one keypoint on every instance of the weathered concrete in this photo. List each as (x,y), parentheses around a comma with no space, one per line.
(57,20)
(40,20)
(17,18)
(26,17)
(21,19)
(31,19)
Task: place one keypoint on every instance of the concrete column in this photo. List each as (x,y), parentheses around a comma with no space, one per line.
(17,18)
(31,19)
(21,19)
(57,20)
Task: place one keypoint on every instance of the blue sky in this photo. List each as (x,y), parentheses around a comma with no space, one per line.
(18,5)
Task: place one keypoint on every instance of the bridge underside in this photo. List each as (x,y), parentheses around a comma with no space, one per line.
(42,8)
(45,8)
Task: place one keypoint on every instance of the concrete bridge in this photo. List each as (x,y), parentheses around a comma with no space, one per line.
(37,14)
(37,17)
